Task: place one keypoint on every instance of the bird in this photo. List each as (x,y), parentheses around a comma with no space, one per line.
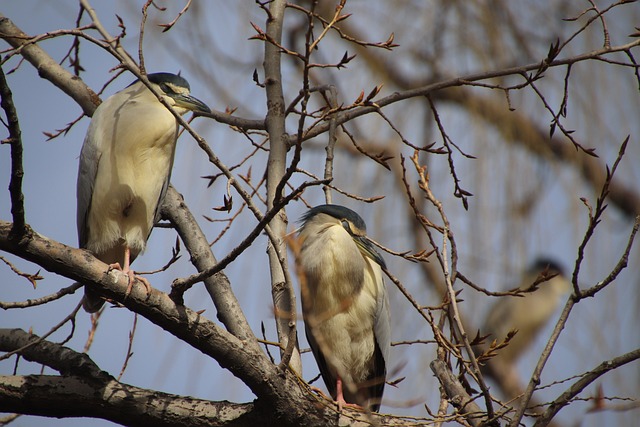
(529,313)
(124,171)
(345,305)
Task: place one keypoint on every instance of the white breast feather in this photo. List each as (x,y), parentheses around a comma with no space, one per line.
(145,136)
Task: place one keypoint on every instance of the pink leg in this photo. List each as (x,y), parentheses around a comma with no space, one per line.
(127,269)
(340,394)
(340,397)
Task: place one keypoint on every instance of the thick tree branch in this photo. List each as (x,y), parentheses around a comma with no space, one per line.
(246,362)
(457,393)
(96,394)
(284,299)
(48,68)
(277,389)
(228,309)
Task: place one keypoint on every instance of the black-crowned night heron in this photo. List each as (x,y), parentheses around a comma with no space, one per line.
(529,313)
(345,305)
(125,165)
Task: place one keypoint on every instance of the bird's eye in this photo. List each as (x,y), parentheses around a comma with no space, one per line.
(346,226)
(165,88)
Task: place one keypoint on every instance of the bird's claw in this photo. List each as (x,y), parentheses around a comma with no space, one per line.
(132,277)
(114,266)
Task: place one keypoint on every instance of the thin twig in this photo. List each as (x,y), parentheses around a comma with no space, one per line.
(17,171)
(132,333)
(68,318)
(40,301)
(594,220)
(332,95)
(566,397)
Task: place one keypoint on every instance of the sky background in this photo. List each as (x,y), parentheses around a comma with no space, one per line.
(600,328)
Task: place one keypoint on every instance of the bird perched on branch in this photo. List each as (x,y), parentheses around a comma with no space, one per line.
(345,305)
(527,314)
(125,166)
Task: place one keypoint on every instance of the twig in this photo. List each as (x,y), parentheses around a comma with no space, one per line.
(179,286)
(32,278)
(40,301)
(594,220)
(143,22)
(167,27)
(456,393)
(68,318)
(339,190)
(113,42)
(332,95)
(450,276)
(175,256)
(132,333)
(17,172)
(399,96)
(566,397)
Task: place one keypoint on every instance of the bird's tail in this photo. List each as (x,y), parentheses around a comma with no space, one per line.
(92,302)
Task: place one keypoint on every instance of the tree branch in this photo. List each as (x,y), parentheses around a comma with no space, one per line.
(17,170)
(246,362)
(565,398)
(228,309)
(48,68)
(284,299)
(96,394)
(457,394)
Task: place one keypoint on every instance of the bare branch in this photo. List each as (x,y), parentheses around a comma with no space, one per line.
(17,171)
(48,68)
(40,301)
(457,394)
(565,398)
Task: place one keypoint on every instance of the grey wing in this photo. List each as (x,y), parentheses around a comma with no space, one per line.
(382,334)
(327,377)
(497,321)
(382,325)
(163,192)
(87,171)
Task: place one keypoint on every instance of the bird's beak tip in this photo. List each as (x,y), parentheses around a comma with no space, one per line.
(192,103)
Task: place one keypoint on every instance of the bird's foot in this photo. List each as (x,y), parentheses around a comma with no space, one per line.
(316,390)
(344,404)
(132,278)
(114,266)
(340,398)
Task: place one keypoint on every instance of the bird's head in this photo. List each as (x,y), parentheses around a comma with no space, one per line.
(177,92)
(353,224)
(551,266)
(553,272)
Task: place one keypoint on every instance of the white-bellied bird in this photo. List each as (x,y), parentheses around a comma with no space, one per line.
(125,166)
(527,314)
(345,305)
